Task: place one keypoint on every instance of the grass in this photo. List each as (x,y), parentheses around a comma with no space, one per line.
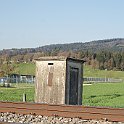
(29,68)
(97,94)
(89,72)
(108,94)
(103,94)
(25,69)
(15,93)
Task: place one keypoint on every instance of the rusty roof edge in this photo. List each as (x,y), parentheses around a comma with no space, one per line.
(47,58)
(59,58)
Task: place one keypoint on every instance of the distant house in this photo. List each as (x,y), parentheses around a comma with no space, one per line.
(27,78)
(3,79)
(16,78)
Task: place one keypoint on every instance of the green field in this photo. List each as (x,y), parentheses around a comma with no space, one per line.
(89,72)
(15,93)
(97,94)
(24,69)
(108,94)
(29,68)
(104,94)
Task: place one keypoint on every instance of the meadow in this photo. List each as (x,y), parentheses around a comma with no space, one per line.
(104,94)
(24,68)
(96,94)
(90,72)
(108,94)
(15,92)
(29,68)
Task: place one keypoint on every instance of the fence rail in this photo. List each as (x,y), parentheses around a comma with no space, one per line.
(94,79)
(17,80)
(86,79)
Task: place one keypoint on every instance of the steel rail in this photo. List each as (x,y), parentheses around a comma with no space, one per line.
(83,112)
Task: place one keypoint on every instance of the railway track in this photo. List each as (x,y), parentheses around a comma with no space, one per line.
(83,112)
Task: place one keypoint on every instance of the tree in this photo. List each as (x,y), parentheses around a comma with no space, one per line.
(117,59)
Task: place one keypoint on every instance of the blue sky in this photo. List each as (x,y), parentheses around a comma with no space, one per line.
(34,23)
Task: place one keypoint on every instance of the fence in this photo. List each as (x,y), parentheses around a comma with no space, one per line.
(17,80)
(32,80)
(98,79)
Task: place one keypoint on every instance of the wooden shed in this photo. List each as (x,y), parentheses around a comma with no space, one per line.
(59,80)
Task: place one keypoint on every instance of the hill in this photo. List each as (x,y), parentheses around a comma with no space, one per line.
(108,44)
(93,46)
(105,54)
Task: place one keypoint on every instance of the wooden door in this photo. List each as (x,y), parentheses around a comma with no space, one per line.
(73,90)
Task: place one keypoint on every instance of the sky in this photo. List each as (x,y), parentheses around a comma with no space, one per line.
(34,23)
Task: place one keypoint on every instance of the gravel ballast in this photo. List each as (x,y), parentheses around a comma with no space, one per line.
(38,119)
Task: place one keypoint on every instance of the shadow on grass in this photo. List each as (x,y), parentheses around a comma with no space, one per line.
(7,87)
(112,96)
